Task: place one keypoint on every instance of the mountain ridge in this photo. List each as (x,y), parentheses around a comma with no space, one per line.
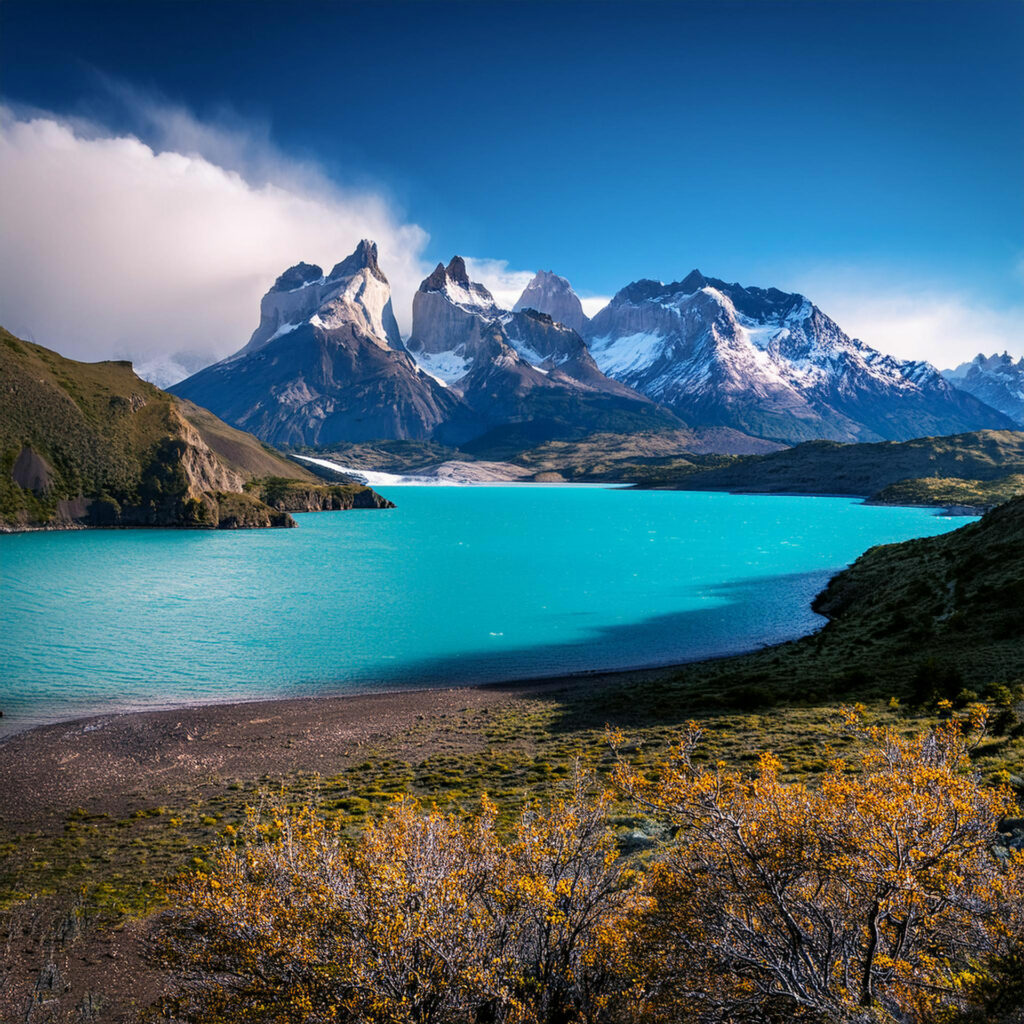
(996,380)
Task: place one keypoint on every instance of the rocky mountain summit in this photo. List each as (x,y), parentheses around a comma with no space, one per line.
(772,364)
(355,290)
(996,380)
(327,364)
(551,294)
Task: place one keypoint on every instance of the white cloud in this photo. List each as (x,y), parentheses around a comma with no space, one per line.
(111,248)
(593,304)
(504,284)
(912,320)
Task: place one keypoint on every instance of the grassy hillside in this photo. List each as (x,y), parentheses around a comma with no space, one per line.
(868,469)
(92,444)
(975,494)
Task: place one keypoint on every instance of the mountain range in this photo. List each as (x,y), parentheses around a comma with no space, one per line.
(327,365)
(996,380)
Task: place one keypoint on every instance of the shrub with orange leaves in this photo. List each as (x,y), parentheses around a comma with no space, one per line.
(427,918)
(867,897)
(877,894)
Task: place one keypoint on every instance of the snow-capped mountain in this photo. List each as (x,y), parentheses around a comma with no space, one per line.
(356,291)
(517,367)
(327,364)
(772,364)
(551,294)
(996,380)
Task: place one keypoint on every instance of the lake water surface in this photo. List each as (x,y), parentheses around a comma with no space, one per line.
(456,585)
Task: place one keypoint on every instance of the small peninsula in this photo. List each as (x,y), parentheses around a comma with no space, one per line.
(94,445)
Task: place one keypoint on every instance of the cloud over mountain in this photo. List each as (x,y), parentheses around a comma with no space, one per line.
(114,248)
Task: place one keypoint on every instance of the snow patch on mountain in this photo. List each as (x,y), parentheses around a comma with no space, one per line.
(446,367)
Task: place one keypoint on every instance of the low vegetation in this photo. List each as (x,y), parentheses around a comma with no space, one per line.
(827,467)
(977,495)
(880,893)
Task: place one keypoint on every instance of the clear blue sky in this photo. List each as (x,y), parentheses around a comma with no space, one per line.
(607,141)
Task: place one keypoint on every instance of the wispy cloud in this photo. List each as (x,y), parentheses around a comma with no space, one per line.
(158,250)
(505,284)
(912,319)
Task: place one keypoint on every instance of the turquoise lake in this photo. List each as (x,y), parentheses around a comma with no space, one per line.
(456,585)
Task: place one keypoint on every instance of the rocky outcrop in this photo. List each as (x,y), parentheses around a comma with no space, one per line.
(551,294)
(31,472)
(293,496)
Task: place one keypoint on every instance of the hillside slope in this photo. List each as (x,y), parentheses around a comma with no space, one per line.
(827,467)
(91,444)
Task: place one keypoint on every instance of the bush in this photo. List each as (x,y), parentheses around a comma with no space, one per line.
(873,896)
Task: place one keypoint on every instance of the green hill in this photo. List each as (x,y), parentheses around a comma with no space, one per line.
(827,467)
(91,444)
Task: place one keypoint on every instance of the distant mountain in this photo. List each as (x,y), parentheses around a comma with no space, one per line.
(551,294)
(770,363)
(522,374)
(91,444)
(326,364)
(996,380)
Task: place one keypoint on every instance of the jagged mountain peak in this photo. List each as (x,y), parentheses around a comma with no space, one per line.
(364,258)
(549,293)
(457,272)
(454,281)
(356,291)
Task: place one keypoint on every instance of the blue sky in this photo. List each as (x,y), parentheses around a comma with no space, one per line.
(870,151)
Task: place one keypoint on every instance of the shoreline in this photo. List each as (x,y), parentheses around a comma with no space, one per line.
(110,762)
(518,685)
(949,510)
